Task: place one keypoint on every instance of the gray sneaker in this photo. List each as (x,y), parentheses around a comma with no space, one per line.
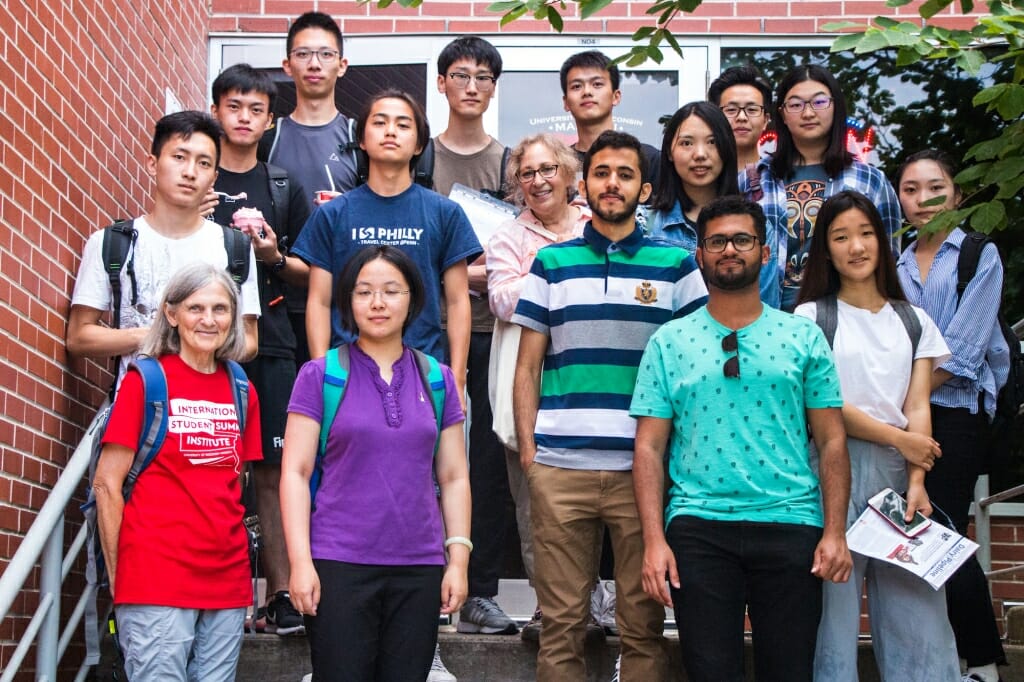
(482,615)
(618,664)
(439,673)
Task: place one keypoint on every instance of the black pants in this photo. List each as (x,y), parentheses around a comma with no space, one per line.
(950,485)
(374,622)
(488,476)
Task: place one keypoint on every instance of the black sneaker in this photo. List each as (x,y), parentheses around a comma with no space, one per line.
(282,617)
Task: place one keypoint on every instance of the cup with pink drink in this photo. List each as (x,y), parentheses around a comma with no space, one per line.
(249,221)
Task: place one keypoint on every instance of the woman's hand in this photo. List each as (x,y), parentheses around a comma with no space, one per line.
(919,449)
(454,588)
(304,588)
(917,501)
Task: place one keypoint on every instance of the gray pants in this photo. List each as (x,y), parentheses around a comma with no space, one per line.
(910,631)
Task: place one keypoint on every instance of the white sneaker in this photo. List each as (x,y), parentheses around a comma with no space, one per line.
(618,664)
(439,673)
(308,677)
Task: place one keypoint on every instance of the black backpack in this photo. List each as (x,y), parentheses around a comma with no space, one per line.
(826,316)
(1010,396)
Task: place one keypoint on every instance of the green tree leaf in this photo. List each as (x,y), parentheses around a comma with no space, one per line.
(506,6)
(989,217)
(588,9)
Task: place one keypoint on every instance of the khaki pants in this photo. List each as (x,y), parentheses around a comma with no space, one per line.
(568,509)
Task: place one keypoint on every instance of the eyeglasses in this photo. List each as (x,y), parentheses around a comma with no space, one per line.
(795,105)
(740,242)
(731,368)
(751,110)
(461,81)
(325,54)
(528,176)
(386,295)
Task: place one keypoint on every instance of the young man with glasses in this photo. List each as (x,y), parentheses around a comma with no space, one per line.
(587,308)
(745,98)
(467,74)
(751,524)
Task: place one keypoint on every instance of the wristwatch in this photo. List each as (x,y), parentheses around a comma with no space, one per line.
(279,265)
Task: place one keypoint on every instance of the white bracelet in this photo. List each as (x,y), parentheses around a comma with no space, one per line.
(458,540)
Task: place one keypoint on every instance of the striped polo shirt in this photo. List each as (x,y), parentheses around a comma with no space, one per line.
(599,302)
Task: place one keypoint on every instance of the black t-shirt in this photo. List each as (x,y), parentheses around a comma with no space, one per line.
(276,336)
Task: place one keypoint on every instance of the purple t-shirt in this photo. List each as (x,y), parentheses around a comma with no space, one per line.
(376,503)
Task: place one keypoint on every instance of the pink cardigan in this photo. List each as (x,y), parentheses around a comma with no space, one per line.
(510,254)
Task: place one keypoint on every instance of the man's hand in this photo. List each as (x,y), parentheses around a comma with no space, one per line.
(210,202)
(832,560)
(659,564)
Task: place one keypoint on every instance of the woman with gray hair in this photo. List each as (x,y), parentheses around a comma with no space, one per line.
(176,550)
(540,174)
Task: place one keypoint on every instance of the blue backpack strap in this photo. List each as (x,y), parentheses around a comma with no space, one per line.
(826,316)
(239,392)
(154,419)
(335,379)
(433,381)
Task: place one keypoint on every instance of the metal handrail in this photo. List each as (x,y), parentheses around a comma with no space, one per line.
(43,545)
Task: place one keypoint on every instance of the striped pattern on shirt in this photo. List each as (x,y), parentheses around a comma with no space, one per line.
(599,302)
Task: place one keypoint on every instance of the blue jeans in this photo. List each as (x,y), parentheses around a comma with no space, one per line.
(729,567)
(168,644)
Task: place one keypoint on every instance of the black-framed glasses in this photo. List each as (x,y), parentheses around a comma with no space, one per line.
(795,105)
(731,344)
(483,82)
(751,110)
(740,242)
(325,54)
(546,171)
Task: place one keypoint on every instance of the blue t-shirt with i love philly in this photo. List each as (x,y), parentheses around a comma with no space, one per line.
(430,228)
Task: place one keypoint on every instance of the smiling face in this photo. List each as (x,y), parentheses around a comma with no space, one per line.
(923,181)
(380,301)
(546,197)
(244,116)
(185,170)
(203,321)
(810,126)
(853,246)
(390,135)
(313,78)
(695,156)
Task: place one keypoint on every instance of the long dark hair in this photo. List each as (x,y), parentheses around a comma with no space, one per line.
(837,157)
(418,116)
(820,275)
(670,186)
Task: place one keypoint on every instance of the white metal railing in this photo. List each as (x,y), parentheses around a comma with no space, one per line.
(44,545)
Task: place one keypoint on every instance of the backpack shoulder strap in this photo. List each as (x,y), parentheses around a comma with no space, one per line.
(280,197)
(967,262)
(335,380)
(826,316)
(118,242)
(268,143)
(911,322)
(154,419)
(433,381)
(239,392)
(504,167)
(237,246)
(423,174)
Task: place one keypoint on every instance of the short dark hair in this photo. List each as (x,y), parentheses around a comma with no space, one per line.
(469,47)
(244,79)
(350,275)
(820,275)
(591,59)
(837,157)
(185,124)
(614,139)
(945,161)
(747,74)
(733,205)
(313,20)
(419,118)
(670,185)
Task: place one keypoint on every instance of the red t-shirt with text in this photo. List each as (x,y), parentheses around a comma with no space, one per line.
(182,541)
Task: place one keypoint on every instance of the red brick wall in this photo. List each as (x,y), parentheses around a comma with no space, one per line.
(81,84)
(714,17)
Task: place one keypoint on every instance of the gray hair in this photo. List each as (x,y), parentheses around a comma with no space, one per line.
(568,165)
(163,338)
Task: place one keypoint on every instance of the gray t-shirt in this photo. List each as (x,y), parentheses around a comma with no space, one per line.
(315,156)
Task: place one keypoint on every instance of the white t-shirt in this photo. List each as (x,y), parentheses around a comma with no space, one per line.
(155,258)
(872,353)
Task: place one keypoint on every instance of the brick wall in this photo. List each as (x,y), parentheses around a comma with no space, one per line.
(81,83)
(714,17)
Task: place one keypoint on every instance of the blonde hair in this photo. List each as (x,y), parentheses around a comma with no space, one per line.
(163,338)
(568,165)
